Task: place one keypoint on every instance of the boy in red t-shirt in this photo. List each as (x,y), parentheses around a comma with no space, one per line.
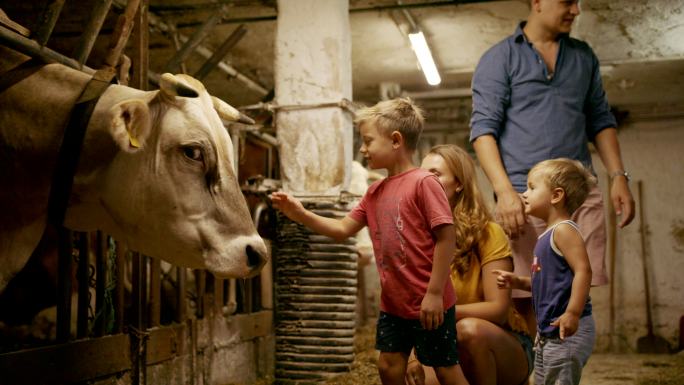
(410,223)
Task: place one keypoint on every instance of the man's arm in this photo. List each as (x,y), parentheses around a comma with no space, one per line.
(609,150)
(432,309)
(510,211)
(338,229)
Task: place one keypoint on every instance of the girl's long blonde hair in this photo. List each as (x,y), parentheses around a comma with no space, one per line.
(470,212)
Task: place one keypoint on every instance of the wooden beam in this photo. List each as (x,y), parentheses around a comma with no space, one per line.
(195,40)
(48,20)
(92,30)
(221,52)
(16,27)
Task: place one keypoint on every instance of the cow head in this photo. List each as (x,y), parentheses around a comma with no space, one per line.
(171,192)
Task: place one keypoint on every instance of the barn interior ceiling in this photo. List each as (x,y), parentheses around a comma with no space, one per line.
(640,44)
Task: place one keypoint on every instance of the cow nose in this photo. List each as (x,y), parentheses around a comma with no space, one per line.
(254,257)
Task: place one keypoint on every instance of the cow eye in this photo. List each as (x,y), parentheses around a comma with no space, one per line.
(194,153)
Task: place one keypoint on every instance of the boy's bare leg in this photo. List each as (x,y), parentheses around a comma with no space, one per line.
(392,367)
(450,375)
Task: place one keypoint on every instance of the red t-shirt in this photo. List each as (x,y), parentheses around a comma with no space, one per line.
(401,211)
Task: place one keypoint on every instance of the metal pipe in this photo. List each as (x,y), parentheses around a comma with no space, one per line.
(221,52)
(31,48)
(190,44)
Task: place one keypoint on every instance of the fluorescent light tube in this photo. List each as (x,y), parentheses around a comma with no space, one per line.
(427,64)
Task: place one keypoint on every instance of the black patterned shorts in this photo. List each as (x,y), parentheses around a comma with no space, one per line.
(434,348)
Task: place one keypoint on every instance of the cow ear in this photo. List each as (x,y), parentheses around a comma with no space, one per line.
(130,124)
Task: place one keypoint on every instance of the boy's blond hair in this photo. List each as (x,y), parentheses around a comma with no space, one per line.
(399,114)
(570,175)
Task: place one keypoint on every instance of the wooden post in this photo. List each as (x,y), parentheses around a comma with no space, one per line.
(180,304)
(92,30)
(64,284)
(141,57)
(121,254)
(83,286)
(101,261)
(154,304)
(122,31)
(220,53)
(47,21)
(192,43)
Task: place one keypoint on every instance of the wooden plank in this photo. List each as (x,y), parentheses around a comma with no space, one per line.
(48,20)
(166,343)
(67,363)
(92,29)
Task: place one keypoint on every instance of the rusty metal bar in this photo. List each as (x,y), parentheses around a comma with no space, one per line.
(192,43)
(64,284)
(138,290)
(31,48)
(124,26)
(92,30)
(180,299)
(141,56)
(221,52)
(47,21)
(83,286)
(218,295)
(119,291)
(154,304)
(101,262)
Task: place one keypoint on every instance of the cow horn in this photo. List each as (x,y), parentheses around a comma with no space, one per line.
(172,86)
(228,112)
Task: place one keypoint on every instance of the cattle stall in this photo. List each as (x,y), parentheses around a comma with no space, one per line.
(120,316)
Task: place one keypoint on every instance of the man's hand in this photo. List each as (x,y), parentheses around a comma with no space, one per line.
(415,374)
(510,213)
(568,323)
(622,200)
(290,206)
(431,311)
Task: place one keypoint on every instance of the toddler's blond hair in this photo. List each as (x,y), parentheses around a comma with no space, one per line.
(399,114)
(570,175)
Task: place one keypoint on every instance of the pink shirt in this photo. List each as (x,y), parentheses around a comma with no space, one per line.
(401,211)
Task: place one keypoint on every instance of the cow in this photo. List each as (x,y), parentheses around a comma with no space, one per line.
(155,171)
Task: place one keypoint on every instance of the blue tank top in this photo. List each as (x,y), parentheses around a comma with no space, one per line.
(551,283)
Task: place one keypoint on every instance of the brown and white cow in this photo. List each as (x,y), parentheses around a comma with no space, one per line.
(155,171)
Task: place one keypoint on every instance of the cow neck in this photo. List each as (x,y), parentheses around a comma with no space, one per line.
(19,73)
(72,144)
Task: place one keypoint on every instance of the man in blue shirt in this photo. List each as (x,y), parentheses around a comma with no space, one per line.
(538,95)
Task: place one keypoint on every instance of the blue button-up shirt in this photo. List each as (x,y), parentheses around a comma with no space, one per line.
(535,115)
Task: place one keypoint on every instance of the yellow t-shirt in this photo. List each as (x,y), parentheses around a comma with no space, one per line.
(468,287)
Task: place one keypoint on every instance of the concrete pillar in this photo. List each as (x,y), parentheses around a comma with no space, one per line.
(313,65)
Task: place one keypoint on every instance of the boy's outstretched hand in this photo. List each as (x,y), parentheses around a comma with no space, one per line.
(290,206)
(505,279)
(568,324)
